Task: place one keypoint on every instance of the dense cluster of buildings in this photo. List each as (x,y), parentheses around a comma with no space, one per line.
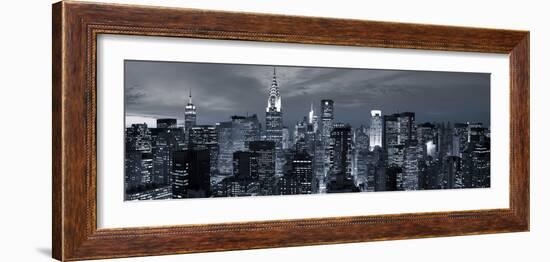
(242,157)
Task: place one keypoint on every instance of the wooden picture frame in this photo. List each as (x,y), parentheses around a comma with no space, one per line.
(76,26)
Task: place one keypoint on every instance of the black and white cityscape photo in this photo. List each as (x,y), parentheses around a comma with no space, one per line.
(201,130)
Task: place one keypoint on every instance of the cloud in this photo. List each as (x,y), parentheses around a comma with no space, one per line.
(222,90)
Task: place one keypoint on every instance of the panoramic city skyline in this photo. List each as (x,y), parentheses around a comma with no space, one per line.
(275,149)
(160,90)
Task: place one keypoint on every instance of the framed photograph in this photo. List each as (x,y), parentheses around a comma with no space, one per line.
(181,130)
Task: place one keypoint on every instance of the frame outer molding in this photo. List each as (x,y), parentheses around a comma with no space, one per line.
(75,26)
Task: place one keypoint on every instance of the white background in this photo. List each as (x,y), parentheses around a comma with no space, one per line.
(114,212)
(25,106)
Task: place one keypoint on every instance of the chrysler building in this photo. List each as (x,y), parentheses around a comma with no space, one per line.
(274,114)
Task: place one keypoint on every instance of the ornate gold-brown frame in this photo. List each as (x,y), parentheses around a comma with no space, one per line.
(76,26)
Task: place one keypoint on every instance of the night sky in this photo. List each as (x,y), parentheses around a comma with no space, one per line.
(160,90)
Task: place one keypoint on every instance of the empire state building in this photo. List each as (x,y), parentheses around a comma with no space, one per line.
(274,115)
(190,113)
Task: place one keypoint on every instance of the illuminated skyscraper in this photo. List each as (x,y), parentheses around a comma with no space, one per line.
(274,115)
(190,113)
(164,143)
(233,136)
(138,138)
(285,142)
(360,155)
(426,136)
(460,139)
(390,139)
(300,130)
(138,160)
(313,119)
(481,163)
(311,114)
(406,128)
(375,131)
(452,168)
(302,172)
(265,151)
(411,169)
(205,137)
(327,120)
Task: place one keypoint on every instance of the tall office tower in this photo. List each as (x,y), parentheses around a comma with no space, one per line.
(444,140)
(302,171)
(233,136)
(395,155)
(310,139)
(246,172)
(167,123)
(190,113)
(398,129)
(411,170)
(481,165)
(274,115)
(327,120)
(430,176)
(460,138)
(245,166)
(362,138)
(312,126)
(406,128)
(313,119)
(300,129)
(361,169)
(202,136)
(191,174)
(426,136)
(300,145)
(476,133)
(319,164)
(265,151)
(390,132)
(311,114)
(138,171)
(390,141)
(138,138)
(376,177)
(452,172)
(138,160)
(165,141)
(206,137)
(360,156)
(472,131)
(340,170)
(315,124)
(286,138)
(375,130)
(225,148)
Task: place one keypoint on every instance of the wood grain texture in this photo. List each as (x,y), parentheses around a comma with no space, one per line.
(57,195)
(76,26)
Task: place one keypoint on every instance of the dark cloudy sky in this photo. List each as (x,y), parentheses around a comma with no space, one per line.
(160,89)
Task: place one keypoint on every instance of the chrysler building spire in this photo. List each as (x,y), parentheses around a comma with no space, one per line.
(274,100)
